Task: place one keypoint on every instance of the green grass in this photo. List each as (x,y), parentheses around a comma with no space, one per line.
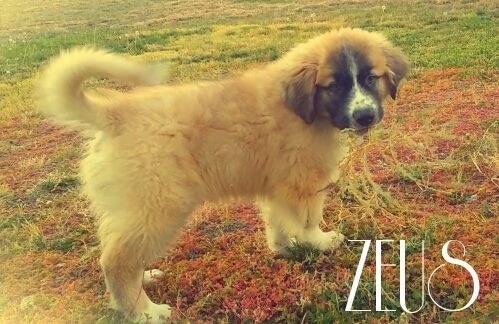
(433,36)
(303,253)
(429,173)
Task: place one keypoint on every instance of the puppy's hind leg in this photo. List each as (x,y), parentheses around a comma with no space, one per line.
(151,276)
(129,242)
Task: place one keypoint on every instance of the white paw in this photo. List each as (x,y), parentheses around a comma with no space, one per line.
(152,276)
(323,240)
(154,314)
(333,240)
(277,246)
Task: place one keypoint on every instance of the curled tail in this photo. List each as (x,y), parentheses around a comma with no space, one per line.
(61,94)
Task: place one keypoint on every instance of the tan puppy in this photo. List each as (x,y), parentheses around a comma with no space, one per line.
(272,133)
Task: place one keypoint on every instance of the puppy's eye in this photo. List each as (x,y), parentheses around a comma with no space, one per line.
(371,80)
(334,86)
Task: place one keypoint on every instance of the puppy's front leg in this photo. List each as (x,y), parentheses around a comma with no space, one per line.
(321,240)
(309,214)
(278,238)
(299,220)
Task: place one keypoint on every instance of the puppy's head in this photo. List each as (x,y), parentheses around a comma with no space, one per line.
(343,76)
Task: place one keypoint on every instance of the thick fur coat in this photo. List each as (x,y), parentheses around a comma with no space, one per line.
(273,133)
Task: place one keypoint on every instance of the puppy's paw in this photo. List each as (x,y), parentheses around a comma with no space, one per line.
(333,240)
(154,314)
(323,241)
(152,276)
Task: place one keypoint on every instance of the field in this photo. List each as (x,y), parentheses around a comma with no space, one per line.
(429,172)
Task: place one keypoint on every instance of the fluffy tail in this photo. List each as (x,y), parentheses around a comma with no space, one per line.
(61,93)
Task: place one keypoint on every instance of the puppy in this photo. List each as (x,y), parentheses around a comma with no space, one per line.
(272,133)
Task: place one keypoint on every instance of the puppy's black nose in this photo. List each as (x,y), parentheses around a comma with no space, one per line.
(364,117)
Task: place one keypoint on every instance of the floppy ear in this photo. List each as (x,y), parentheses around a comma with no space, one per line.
(299,92)
(398,68)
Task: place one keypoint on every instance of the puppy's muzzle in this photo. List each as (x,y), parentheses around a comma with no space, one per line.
(364,117)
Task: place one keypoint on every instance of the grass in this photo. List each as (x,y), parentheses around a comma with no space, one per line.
(428,173)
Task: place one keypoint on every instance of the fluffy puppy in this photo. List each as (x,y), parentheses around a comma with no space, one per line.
(272,133)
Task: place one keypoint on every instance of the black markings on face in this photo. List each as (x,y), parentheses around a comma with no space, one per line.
(354,90)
